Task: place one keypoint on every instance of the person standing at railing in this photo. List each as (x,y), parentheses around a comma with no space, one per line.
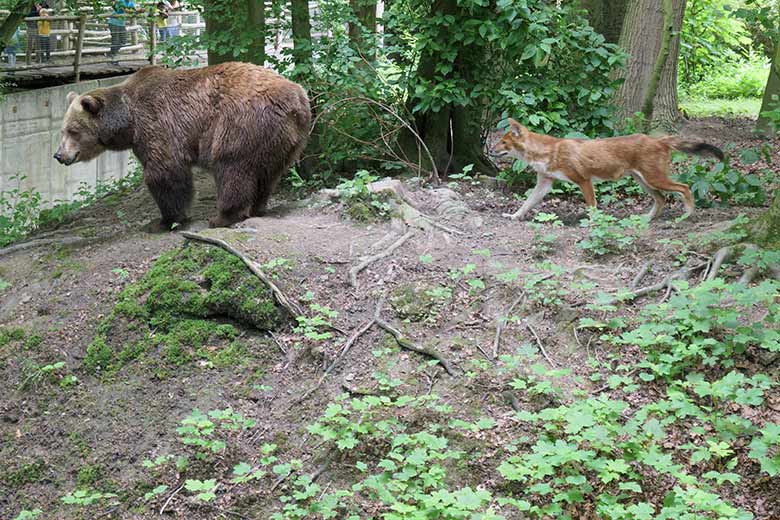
(11,48)
(161,19)
(44,33)
(116,24)
(32,33)
(174,18)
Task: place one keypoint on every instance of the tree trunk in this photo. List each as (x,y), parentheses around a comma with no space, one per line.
(301,33)
(217,22)
(12,21)
(362,31)
(452,134)
(764,230)
(666,109)
(606,17)
(771,93)
(255,25)
(641,37)
(660,61)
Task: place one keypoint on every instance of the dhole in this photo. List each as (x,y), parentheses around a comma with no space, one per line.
(584,161)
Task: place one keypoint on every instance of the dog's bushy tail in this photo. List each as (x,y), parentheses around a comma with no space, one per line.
(694,147)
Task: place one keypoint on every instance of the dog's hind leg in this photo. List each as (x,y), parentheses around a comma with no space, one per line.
(587,191)
(658,198)
(543,187)
(661,182)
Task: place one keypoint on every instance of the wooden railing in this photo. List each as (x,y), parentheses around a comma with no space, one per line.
(84,39)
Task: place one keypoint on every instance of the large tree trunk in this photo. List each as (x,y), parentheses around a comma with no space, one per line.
(666,110)
(606,17)
(217,23)
(362,31)
(660,61)
(301,33)
(641,37)
(12,21)
(221,19)
(771,93)
(451,134)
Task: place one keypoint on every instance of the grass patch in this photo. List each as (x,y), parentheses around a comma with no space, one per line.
(742,107)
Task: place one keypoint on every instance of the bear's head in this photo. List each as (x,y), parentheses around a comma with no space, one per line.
(94,122)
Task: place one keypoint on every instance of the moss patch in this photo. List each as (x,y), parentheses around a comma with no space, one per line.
(412,302)
(25,474)
(180,308)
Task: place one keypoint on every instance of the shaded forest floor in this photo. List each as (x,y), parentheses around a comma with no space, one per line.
(99,370)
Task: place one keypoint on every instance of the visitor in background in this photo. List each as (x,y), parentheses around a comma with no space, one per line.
(174,18)
(11,48)
(32,32)
(117,26)
(44,33)
(161,19)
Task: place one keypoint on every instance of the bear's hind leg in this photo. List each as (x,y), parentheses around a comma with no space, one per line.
(173,194)
(236,189)
(265,186)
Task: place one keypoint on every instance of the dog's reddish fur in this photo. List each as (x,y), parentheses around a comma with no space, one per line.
(583,161)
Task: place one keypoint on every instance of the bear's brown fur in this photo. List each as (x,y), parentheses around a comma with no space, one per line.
(243,123)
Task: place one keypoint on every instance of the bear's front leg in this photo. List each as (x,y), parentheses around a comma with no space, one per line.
(172,190)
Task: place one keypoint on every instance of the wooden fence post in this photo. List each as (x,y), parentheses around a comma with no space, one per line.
(152,41)
(79,46)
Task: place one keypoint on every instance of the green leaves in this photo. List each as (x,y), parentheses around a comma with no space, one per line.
(766,449)
(204,490)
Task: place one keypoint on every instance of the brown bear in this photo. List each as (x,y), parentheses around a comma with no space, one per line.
(243,123)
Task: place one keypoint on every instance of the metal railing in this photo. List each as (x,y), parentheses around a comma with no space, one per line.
(85,38)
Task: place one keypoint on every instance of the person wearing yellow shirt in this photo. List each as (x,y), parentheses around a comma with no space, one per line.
(44,33)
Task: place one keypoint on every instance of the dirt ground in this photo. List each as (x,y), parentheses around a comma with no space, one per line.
(110,425)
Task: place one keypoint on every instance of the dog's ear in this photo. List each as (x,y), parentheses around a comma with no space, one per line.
(516,128)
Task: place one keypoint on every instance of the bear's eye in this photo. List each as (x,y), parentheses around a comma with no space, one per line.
(73,133)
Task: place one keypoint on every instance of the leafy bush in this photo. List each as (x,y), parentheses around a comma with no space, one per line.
(608,234)
(733,81)
(722,183)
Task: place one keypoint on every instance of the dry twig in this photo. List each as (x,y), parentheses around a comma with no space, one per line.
(371,259)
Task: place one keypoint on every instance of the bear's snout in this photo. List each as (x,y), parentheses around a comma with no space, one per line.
(58,157)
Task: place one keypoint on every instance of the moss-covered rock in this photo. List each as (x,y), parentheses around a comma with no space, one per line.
(189,302)
(412,302)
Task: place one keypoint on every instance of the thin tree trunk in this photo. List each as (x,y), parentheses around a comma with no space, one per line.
(771,93)
(12,21)
(666,110)
(660,62)
(606,17)
(362,32)
(217,22)
(301,33)
(255,25)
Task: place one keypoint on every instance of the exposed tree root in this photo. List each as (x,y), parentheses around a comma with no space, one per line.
(541,346)
(666,283)
(640,275)
(285,302)
(63,241)
(408,345)
(723,254)
(371,259)
(501,322)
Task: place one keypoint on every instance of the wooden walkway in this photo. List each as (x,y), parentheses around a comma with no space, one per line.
(59,75)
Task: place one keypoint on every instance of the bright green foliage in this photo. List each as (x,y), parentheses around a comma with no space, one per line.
(207,431)
(85,497)
(28,515)
(722,183)
(733,81)
(544,288)
(362,205)
(710,325)
(205,489)
(608,234)
(766,449)
(544,237)
(509,59)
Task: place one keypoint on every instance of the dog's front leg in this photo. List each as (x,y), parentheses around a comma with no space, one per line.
(543,186)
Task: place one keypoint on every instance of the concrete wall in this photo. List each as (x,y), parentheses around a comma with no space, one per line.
(30,125)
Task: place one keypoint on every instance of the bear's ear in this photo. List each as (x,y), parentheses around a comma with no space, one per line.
(91,104)
(517,128)
(71,97)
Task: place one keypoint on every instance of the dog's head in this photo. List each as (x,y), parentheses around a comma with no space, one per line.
(513,142)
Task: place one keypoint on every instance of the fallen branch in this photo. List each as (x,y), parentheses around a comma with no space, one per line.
(408,345)
(64,241)
(371,259)
(500,324)
(162,509)
(541,347)
(285,302)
